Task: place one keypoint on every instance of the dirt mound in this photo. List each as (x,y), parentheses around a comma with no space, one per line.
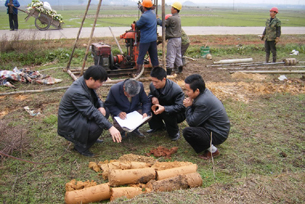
(255,77)
(162,152)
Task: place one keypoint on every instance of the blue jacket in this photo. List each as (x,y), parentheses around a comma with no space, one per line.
(148,27)
(117,102)
(16,4)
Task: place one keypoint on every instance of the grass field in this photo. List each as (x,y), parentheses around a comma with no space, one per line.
(192,16)
(261,162)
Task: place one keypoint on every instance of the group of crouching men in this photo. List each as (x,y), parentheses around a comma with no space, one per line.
(82,116)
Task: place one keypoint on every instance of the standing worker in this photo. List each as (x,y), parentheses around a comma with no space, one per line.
(272,34)
(173,35)
(12,12)
(185,43)
(148,39)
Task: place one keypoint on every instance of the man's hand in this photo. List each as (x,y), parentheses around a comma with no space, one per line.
(102,110)
(115,134)
(122,115)
(277,39)
(157,109)
(263,37)
(187,102)
(144,115)
(154,100)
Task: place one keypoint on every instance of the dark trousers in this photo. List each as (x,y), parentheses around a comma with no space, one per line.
(199,138)
(270,46)
(13,19)
(94,133)
(171,122)
(152,50)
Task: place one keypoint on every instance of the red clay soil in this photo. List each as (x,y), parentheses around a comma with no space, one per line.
(162,152)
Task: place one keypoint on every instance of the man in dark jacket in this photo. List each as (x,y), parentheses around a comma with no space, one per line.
(12,12)
(148,38)
(206,116)
(167,104)
(125,97)
(81,115)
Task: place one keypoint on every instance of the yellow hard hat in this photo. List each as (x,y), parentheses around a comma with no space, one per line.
(177,5)
(147,3)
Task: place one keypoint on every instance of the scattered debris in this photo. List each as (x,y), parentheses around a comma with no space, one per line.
(209,56)
(25,75)
(31,112)
(282,78)
(294,52)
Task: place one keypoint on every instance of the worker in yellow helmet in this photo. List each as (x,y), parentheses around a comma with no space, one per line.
(173,35)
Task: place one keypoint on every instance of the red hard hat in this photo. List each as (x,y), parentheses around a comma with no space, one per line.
(167,16)
(274,9)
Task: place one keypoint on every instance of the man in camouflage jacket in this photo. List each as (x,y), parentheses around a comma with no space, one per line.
(272,34)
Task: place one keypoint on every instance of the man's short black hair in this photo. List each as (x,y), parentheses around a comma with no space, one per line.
(159,73)
(196,82)
(97,72)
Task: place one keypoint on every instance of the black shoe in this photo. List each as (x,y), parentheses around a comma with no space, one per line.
(176,137)
(154,130)
(138,133)
(99,141)
(86,152)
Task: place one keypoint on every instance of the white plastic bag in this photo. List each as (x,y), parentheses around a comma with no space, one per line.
(47,6)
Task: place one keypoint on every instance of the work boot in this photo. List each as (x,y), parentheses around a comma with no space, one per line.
(274,58)
(180,69)
(139,68)
(169,71)
(267,58)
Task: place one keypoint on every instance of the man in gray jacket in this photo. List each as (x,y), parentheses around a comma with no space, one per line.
(81,115)
(206,116)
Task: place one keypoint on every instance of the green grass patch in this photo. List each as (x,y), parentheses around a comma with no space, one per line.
(190,16)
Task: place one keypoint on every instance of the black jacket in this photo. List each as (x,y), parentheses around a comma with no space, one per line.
(171,97)
(78,106)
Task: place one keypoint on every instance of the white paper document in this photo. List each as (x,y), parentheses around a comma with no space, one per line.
(132,121)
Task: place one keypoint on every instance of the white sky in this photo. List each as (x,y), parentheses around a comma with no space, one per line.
(284,2)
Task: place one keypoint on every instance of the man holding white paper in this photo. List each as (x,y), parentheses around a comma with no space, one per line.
(125,97)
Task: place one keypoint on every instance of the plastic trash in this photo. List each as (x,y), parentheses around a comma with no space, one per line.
(31,112)
(294,52)
(282,78)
